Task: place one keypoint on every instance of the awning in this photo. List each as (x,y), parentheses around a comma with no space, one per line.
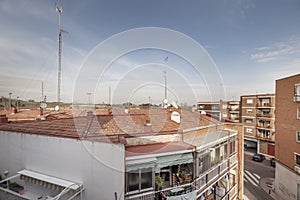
(140,164)
(50,179)
(176,159)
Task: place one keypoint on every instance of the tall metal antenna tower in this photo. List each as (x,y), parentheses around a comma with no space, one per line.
(165,77)
(60,31)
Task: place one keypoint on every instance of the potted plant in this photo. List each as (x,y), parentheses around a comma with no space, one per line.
(16,188)
(159,181)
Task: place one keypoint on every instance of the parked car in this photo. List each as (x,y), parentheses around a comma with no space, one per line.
(272,162)
(258,157)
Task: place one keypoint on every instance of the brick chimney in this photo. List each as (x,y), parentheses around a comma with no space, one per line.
(14,110)
(40,111)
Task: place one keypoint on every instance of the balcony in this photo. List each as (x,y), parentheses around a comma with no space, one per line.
(197,186)
(265,115)
(264,126)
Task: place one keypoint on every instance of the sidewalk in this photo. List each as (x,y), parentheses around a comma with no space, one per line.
(268,185)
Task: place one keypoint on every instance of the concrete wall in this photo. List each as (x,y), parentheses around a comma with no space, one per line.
(99,166)
(286,182)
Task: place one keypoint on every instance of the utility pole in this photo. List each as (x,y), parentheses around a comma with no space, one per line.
(89,97)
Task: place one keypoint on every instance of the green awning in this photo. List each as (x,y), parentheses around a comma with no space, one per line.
(142,163)
(176,159)
(140,166)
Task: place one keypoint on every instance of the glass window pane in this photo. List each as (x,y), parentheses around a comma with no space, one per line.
(298,159)
(146,179)
(133,180)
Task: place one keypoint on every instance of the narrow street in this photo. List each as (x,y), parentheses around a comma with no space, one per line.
(253,173)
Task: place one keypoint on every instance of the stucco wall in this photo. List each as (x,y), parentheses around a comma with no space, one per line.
(286,182)
(99,166)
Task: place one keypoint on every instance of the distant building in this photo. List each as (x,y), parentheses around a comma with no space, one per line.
(257,114)
(221,110)
(141,154)
(287,140)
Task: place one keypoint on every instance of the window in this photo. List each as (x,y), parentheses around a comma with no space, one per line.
(249,130)
(224,115)
(298,113)
(265,102)
(204,163)
(146,180)
(249,111)
(297,93)
(225,106)
(249,121)
(249,101)
(139,179)
(298,136)
(297,89)
(297,159)
(133,180)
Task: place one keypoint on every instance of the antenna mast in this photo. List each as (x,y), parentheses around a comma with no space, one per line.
(165,76)
(60,30)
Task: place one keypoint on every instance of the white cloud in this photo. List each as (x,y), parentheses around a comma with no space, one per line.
(277,51)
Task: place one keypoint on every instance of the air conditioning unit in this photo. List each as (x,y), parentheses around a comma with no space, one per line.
(297,98)
(297,169)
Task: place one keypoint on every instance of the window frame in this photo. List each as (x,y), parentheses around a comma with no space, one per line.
(298,136)
(247,130)
(249,101)
(297,159)
(249,111)
(298,113)
(140,189)
(297,89)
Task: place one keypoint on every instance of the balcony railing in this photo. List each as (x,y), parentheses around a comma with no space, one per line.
(264,126)
(264,105)
(268,115)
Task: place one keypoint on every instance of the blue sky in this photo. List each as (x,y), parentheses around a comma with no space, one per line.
(252,43)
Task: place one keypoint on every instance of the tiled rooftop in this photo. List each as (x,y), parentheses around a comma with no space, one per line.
(103,127)
(32,114)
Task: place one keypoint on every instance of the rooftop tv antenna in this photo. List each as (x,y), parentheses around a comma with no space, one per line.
(60,31)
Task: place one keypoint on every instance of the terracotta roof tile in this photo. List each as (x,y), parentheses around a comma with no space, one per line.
(106,127)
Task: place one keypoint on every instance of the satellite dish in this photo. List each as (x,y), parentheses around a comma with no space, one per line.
(203,112)
(56,108)
(165,101)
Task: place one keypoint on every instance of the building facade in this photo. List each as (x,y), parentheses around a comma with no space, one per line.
(258,118)
(287,140)
(228,111)
(162,154)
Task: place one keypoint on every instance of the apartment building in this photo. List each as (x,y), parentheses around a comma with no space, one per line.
(287,140)
(222,110)
(258,118)
(140,154)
